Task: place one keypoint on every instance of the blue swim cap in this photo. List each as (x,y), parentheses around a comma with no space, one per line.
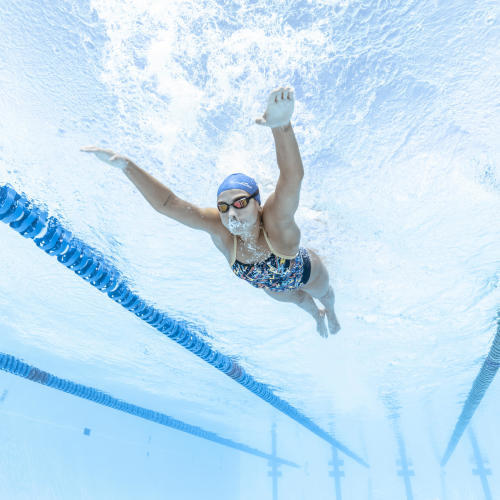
(239,181)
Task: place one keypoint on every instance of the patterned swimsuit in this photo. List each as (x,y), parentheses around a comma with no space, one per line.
(278,273)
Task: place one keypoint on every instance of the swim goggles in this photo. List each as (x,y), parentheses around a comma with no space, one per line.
(239,203)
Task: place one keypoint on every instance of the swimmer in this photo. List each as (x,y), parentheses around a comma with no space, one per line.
(260,242)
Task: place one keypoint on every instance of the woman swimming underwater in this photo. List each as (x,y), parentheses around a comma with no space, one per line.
(261,243)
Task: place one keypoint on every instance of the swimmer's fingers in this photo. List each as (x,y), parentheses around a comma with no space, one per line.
(95,149)
(102,154)
(274,96)
(107,156)
(280,107)
(280,95)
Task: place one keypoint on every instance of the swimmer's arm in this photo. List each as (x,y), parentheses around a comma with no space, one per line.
(166,202)
(283,203)
(159,196)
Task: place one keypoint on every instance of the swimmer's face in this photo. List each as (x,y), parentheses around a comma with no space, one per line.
(238,220)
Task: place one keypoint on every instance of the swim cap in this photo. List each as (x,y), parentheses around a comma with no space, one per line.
(239,181)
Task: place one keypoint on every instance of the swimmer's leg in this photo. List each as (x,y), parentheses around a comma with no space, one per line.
(328,300)
(319,287)
(304,301)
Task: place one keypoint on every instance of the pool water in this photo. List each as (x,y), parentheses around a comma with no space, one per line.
(396,116)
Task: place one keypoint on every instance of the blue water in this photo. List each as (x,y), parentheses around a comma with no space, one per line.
(397,118)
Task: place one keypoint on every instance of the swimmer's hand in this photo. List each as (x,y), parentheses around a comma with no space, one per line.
(279,108)
(108,156)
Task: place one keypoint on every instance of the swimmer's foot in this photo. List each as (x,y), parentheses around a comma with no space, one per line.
(321,325)
(328,300)
(333,323)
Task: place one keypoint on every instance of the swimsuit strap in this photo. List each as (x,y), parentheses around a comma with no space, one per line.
(233,257)
(288,257)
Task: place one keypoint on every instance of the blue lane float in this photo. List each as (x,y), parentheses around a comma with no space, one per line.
(32,222)
(17,367)
(476,394)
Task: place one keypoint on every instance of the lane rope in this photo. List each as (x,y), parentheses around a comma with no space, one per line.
(34,223)
(17,367)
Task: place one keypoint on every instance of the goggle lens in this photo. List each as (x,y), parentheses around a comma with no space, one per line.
(241,203)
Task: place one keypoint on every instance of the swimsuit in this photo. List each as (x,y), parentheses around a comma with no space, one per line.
(278,273)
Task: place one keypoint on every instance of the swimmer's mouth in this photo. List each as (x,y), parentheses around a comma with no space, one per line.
(235,225)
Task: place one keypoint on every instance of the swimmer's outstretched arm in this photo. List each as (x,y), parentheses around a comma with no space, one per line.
(283,203)
(159,196)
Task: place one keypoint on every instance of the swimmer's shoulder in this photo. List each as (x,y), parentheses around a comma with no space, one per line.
(223,241)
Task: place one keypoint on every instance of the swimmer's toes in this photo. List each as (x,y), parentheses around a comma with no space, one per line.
(333,324)
(323,331)
(321,325)
(334,329)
